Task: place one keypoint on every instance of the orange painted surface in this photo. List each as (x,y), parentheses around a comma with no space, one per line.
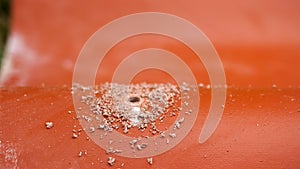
(259,129)
(258,43)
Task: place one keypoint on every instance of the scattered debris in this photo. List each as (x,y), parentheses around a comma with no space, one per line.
(81,153)
(49,124)
(188,112)
(122,107)
(136,105)
(113,151)
(178,123)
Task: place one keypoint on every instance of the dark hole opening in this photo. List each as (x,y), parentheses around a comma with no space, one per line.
(134,99)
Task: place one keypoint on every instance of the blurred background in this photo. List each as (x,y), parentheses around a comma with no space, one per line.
(258,41)
(4,25)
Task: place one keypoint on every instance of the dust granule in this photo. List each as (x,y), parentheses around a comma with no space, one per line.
(74,135)
(111,161)
(150,160)
(49,124)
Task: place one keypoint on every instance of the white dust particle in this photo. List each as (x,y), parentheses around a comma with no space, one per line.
(111,161)
(49,124)
(150,160)
(207,86)
(74,135)
(173,135)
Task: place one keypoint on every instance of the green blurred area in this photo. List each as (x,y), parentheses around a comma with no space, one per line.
(4,25)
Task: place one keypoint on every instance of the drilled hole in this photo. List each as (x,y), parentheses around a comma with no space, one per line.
(134,99)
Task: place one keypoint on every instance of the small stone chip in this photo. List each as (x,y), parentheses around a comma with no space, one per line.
(176,125)
(141,146)
(111,161)
(118,151)
(92,129)
(173,135)
(150,160)
(113,151)
(74,135)
(49,125)
(162,135)
(133,142)
(181,120)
